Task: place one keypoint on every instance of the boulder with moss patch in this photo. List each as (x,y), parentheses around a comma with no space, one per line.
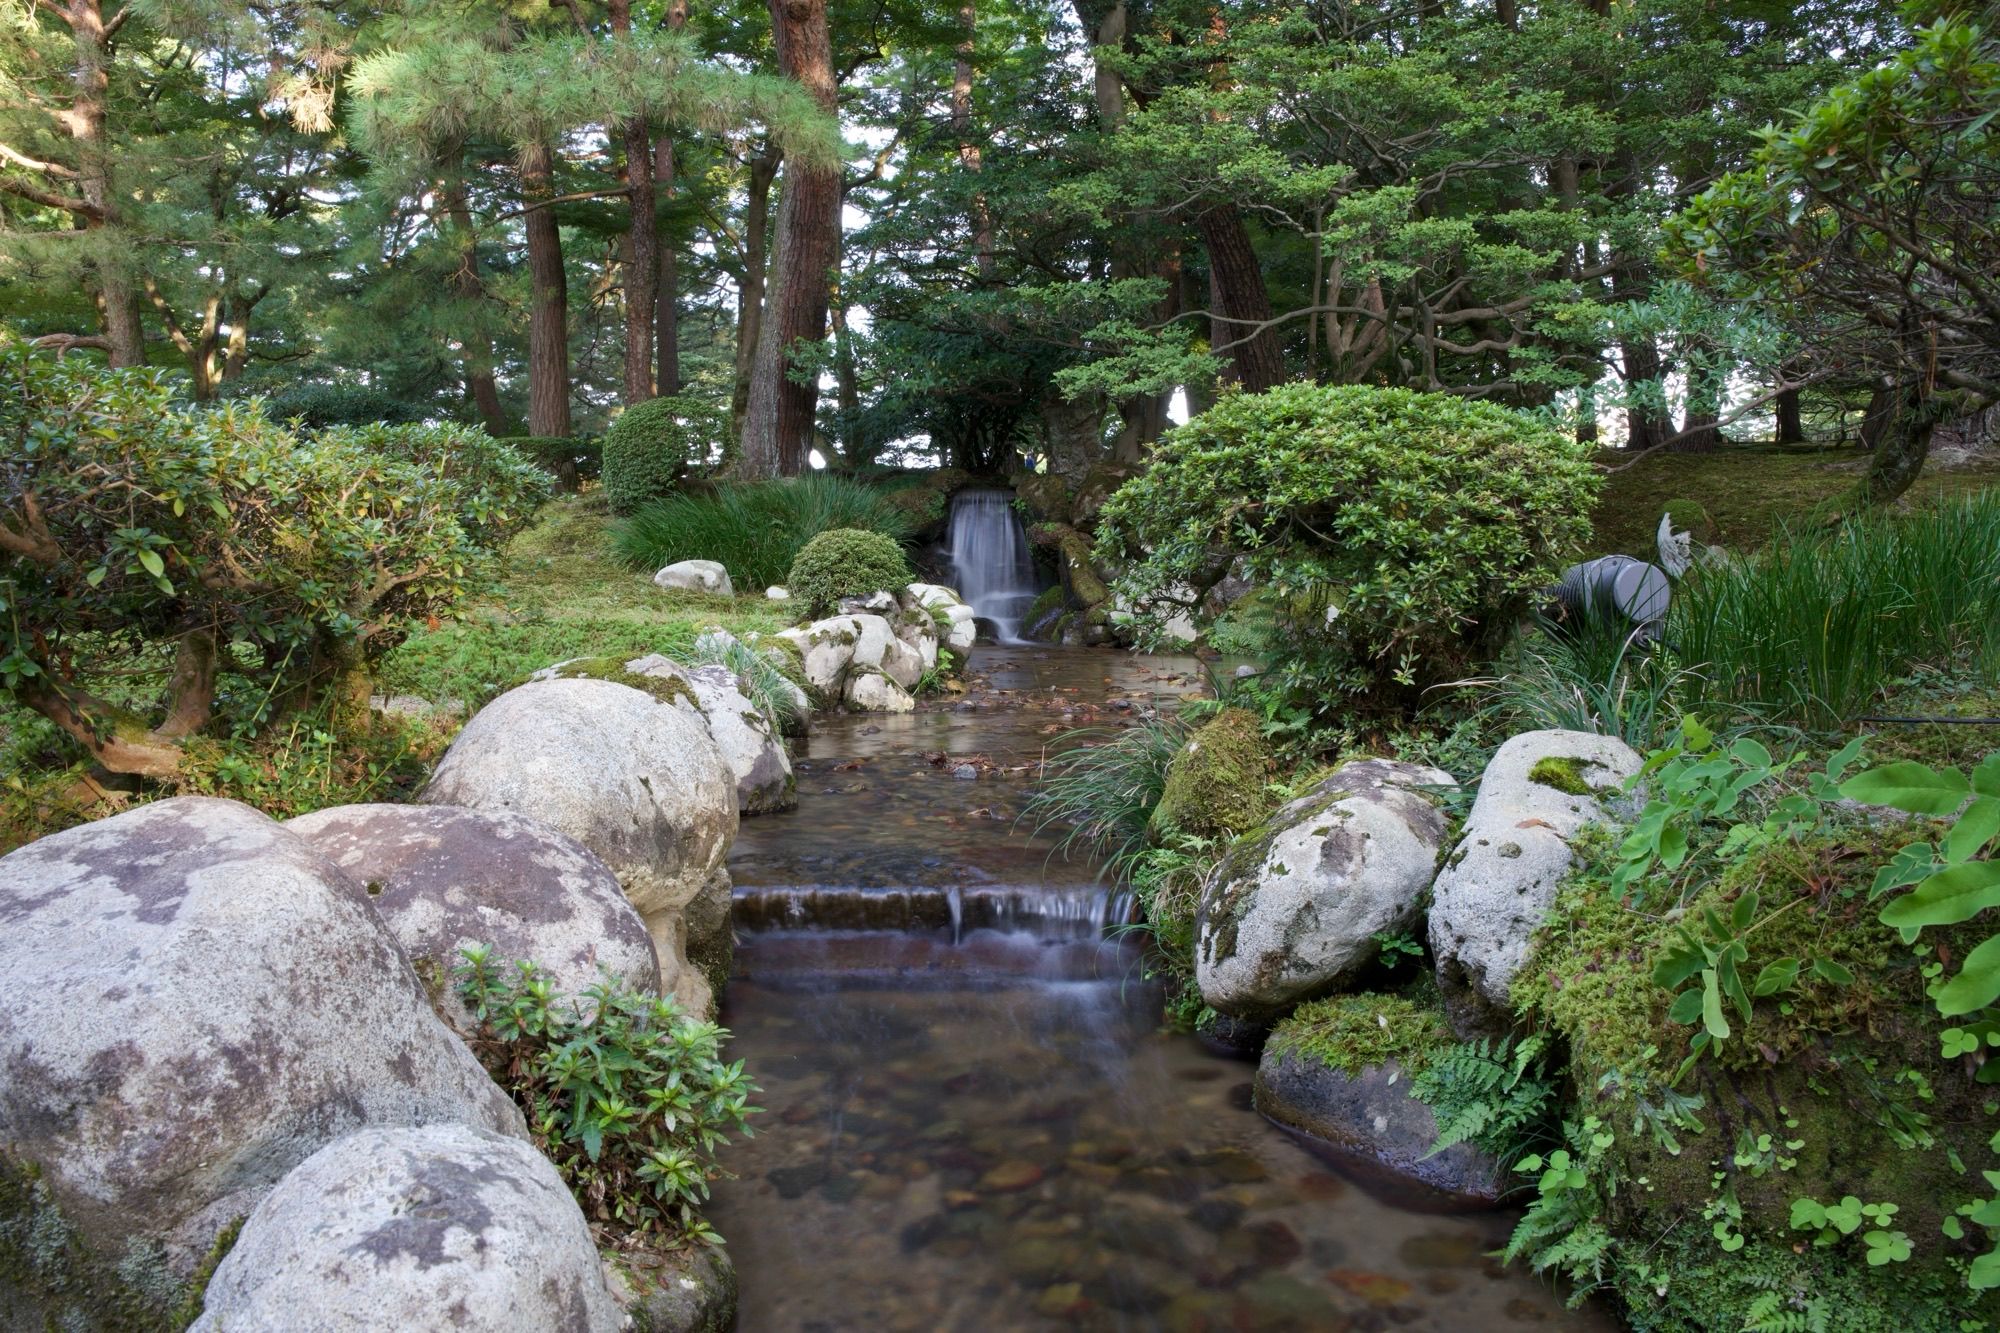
(689,1290)
(1538,791)
(638,781)
(1296,907)
(1338,1071)
(197,1001)
(1215,783)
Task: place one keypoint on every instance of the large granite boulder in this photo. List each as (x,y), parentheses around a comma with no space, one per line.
(1538,790)
(689,1290)
(1295,907)
(196,1001)
(635,779)
(749,740)
(695,576)
(443,877)
(1369,1121)
(439,1227)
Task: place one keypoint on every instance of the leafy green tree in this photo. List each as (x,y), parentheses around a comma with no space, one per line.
(1872,220)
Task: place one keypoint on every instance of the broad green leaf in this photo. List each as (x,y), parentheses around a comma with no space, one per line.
(1986,777)
(1750,754)
(1975,828)
(150,562)
(1744,912)
(1676,967)
(1780,975)
(1686,1008)
(1828,970)
(1712,1020)
(1976,985)
(95,576)
(1695,734)
(1957,893)
(1909,786)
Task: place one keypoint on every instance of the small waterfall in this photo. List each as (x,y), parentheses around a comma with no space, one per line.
(991,563)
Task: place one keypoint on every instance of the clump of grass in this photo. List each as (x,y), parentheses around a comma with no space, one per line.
(1819,627)
(754,529)
(1590,673)
(1101,785)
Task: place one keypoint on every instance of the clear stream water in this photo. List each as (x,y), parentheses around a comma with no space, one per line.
(973,1121)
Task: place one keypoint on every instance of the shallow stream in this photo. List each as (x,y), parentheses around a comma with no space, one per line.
(973,1121)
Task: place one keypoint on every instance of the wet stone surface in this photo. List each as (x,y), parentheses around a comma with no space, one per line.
(976,1124)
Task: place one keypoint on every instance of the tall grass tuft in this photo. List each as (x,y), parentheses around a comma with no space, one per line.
(1815,628)
(1592,674)
(754,528)
(1101,792)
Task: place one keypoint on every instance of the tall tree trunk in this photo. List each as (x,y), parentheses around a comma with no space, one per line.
(470,288)
(1644,426)
(666,286)
(1238,287)
(969,157)
(750,292)
(778,428)
(1791,421)
(642,244)
(548,304)
(86,120)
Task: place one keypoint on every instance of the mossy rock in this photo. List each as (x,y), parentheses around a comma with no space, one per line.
(1692,516)
(666,689)
(1352,1032)
(1828,1091)
(1215,785)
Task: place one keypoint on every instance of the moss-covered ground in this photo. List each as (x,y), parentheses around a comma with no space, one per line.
(1748,491)
(561,593)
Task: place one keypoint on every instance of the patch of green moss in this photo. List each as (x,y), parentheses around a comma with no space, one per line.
(1829,1090)
(1563,773)
(1216,784)
(1748,491)
(197,1296)
(1683,1282)
(666,689)
(1049,600)
(1352,1032)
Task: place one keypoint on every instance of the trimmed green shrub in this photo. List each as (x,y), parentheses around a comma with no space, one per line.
(652,446)
(755,529)
(1399,535)
(845,562)
(317,406)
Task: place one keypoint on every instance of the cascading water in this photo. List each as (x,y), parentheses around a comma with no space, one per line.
(990,560)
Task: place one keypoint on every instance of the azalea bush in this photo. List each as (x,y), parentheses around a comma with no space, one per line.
(1397,537)
(155,556)
(629,1097)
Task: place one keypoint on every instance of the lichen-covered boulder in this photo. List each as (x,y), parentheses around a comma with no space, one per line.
(196,1001)
(872,691)
(1215,783)
(696,576)
(1538,790)
(826,647)
(445,1226)
(443,877)
(635,779)
(749,742)
(1295,908)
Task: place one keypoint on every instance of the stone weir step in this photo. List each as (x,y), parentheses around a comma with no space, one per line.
(1042,912)
(936,959)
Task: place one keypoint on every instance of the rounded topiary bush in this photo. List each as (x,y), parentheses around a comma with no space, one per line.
(845,562)
(651,447)
(1397,536)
